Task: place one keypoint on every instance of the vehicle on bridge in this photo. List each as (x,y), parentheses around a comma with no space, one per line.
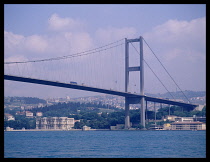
(71,82)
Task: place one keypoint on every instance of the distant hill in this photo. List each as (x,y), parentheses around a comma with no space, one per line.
(179,95)
(23,100)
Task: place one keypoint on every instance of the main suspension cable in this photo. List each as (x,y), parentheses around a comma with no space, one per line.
(153,72)
(165,69)
(88,52)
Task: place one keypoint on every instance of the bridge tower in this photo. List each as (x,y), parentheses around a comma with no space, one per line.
(128,69)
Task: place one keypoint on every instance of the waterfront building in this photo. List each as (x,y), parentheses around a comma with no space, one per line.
(188,126)
(190,119)
(201,119)
(184,119)
(85,128)
(9,129)
(63,123)
(167,126)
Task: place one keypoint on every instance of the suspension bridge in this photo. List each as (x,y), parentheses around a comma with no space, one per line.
(105,69)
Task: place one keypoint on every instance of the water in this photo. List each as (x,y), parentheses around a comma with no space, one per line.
(105,144)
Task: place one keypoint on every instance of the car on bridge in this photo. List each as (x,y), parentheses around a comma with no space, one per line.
(71,82)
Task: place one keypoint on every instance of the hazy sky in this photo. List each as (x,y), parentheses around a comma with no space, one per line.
(176,33)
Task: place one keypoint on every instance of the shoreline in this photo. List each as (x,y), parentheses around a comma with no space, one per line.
(20,130)
(55,130)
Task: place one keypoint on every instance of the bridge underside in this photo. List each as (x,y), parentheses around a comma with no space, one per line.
(132,98)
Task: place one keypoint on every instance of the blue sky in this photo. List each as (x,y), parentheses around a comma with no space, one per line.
(31,19)
(176,32)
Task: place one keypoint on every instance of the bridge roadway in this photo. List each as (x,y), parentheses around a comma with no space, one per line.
(100,90)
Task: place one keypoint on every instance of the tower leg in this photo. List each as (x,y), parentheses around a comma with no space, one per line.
(127,117)
(142,112)
(142,83)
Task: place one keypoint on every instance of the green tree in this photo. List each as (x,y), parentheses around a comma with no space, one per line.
(135,116)
(197,113)
(179,113)
(150,114)
(79,125)
(104,115)
(28,123)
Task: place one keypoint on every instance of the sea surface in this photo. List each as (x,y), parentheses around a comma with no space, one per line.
(105,144)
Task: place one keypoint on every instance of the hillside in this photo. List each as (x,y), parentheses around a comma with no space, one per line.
(23,100)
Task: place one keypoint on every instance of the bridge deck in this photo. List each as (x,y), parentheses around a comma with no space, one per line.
(94,89)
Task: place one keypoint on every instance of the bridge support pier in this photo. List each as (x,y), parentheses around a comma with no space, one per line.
(134,100)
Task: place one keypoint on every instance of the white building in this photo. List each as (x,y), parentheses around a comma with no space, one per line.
(170,117)
(190,119)
(68,98)
(39,114)
(184,119)
(9,129)
(29,114)
(85,128)
(8,117)
(40,105)
(63,123)
(188,126)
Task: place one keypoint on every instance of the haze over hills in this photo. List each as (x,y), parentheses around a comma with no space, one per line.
(196,97)
(179,94)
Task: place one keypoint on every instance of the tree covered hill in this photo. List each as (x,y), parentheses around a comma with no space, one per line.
(65,109)
(23,100)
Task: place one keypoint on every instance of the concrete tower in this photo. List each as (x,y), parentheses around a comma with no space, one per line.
(129,69)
